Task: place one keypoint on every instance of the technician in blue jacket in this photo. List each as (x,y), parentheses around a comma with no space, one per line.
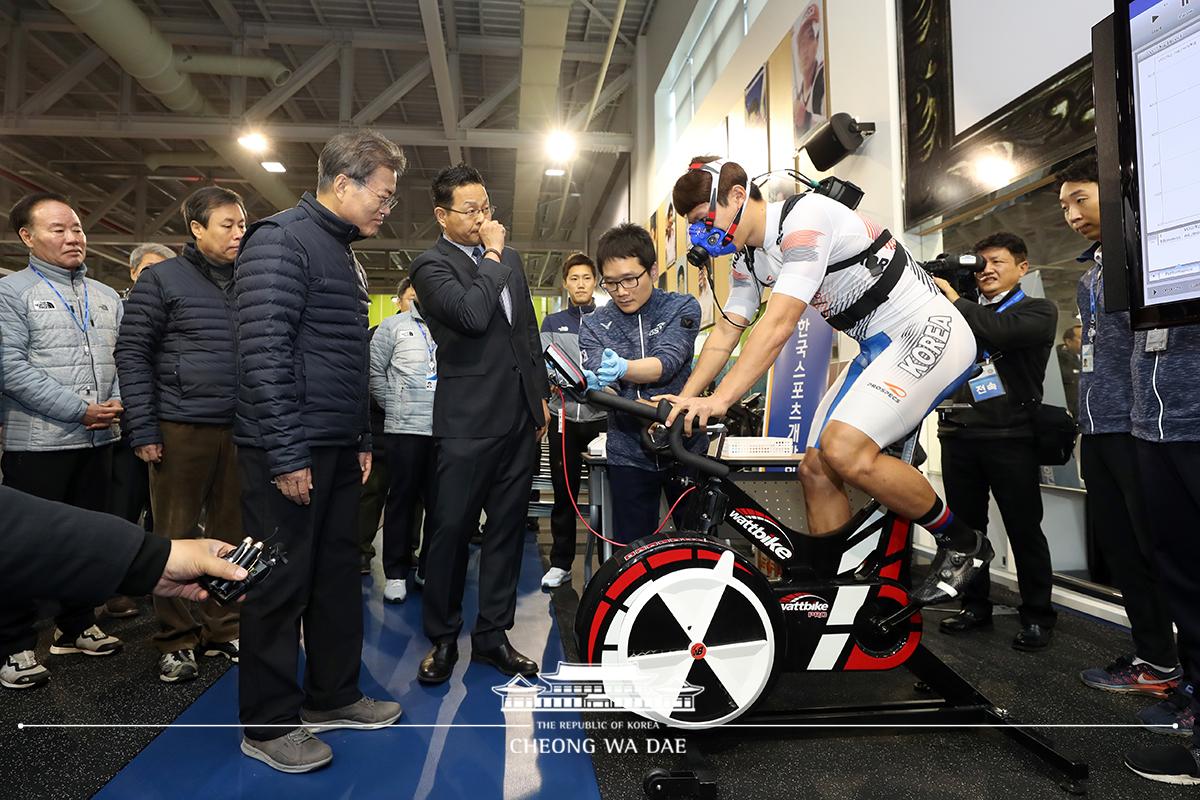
(642,344)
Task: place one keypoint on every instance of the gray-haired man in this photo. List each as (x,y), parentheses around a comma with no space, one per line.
(304,447)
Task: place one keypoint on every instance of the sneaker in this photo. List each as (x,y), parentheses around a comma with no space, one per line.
(295,751)
(120,607)
(419,580)
(22,671)
(92,642)
(1167,763)
(1123,675)
(554,577)
(224,649)
(177,667)
(395,590)
(365,714)
(952,570)
(1172,716)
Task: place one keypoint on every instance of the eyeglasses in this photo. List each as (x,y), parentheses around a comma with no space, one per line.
(386,201)
(629,283)
(486,211)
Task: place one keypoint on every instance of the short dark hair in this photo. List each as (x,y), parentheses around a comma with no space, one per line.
(1009,241)
(1072,332)
(402,287)
(356,154)
(450,178)
(1083,169)
(199,205)
(694,186)
(22,211)
(626,241)
(577,260)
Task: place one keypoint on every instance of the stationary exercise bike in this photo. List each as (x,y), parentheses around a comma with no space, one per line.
(703,624)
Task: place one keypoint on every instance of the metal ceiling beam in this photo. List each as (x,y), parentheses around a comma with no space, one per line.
(615,89)
(109,203)
(44,98)
(392,94)
(435,41)
(300,78)
(260,35)
(604,19)
(481,112)
(173,126)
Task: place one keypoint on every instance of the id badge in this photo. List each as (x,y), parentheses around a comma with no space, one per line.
(1087,358)
(431,382)
(1156,340)
(987,384)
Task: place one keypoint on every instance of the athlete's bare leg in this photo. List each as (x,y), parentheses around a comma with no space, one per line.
(855,458)
(824,495)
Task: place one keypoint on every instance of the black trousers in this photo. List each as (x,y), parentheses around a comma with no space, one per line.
(577,436)
(636,494)
(411,457)
(129,498)
(319,586)
(1009,469)
(1170,473)
(76,477)
(494,475)
(1117,518)
(372,499)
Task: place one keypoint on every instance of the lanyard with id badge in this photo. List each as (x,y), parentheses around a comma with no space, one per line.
(88,393)
(987,383)
(431,367)
(1087,351)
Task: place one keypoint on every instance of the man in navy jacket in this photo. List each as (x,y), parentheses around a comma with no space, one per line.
(304,447)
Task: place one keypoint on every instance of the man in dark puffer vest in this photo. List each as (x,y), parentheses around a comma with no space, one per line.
(178,350)
(302,425)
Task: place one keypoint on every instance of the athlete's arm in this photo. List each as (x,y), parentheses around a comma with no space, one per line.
(718,347)
(769,336)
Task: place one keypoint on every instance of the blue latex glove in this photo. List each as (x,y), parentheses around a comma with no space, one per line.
(612,367)
(593,382)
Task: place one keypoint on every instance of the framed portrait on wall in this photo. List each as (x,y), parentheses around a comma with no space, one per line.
(810,95)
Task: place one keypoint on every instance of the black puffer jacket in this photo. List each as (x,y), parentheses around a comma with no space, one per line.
(302,325)
(177,349)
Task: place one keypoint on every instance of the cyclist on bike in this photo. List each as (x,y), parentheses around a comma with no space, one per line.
(915,348)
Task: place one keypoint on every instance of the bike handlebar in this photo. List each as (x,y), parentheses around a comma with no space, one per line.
(702,464)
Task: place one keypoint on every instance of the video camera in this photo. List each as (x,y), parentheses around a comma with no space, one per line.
(957,270)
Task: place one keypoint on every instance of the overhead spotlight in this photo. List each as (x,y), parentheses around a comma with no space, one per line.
(254,142)
(995,172)
(835,139)
(273,166)
(555,172)
(560,147)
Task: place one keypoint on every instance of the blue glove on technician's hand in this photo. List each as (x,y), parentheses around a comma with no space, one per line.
(593,382)
(612,367)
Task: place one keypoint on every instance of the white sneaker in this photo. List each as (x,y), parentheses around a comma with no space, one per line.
(395,590)
(22,671)
(92,642)
(556,576)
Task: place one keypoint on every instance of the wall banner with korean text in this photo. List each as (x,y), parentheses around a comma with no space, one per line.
(798,379)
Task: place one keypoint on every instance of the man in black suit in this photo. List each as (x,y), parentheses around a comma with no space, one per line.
(489,413)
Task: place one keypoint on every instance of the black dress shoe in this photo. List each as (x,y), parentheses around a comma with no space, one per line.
(364,565)
(506,659)
(438,664)
(1032,637)
(966,620)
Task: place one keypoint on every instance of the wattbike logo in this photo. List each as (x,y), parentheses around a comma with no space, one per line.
(764,529)
(815,607)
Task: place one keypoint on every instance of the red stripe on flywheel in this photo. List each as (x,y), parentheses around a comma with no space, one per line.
(708,555)
(658,559)
(622,583)
(596,621)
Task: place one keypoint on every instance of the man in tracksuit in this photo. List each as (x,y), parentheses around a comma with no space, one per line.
(574,424)
(1166,427)
(642,343)
(1108,458)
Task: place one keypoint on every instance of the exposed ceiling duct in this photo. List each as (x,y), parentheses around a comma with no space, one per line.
(225,64)
(121,29)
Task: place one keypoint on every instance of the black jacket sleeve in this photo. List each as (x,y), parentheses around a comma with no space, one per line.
(272,287)
(1026,324)
(54,551)
(465,309)
(141,334)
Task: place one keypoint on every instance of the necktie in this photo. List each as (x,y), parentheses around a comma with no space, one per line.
(505,297)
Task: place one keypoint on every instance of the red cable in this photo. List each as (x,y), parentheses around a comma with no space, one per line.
(562,425)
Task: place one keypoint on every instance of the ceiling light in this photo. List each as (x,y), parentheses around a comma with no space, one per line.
(560,147)
(273,166)
(995,172)
(254,142)
(555,172)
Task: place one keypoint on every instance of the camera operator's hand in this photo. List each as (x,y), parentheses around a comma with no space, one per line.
(191,559)
(946,288)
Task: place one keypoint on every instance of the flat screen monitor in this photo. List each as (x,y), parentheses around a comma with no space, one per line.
(1158,82)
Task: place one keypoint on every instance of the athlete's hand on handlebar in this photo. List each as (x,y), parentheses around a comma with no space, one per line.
(696,410)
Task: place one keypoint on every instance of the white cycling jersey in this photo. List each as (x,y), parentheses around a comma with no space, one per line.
(818,232)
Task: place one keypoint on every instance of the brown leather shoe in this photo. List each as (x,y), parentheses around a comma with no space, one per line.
(120,607)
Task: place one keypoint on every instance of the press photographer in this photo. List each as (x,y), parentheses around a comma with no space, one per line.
(990,444)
